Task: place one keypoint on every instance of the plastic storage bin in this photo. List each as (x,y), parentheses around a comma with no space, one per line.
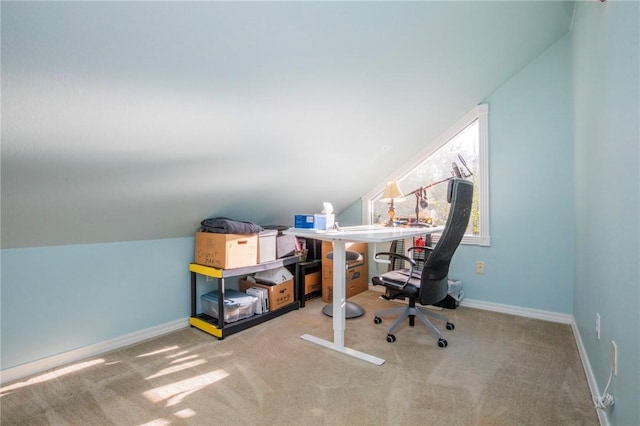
(237,305)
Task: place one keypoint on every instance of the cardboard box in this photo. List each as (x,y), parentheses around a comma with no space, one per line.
(312,282)
(267,245)
(226,251)
(357,281)
(279,295)
(357,274)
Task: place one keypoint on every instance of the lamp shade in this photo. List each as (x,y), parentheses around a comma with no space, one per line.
(392,192)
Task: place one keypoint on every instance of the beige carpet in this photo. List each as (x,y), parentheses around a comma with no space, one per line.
(497,370)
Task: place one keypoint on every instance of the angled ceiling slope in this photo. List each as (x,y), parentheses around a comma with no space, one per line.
(135,120)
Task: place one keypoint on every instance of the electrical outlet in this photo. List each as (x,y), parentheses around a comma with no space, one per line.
(614,358)
(479,267)
(598,325)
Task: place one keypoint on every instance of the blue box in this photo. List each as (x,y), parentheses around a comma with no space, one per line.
(304,221)
(314,221)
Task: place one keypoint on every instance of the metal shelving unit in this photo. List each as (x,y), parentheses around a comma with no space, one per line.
(218,328)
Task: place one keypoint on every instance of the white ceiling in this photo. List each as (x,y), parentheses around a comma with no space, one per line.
(136,120)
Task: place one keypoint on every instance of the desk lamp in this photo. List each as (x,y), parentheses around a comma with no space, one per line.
(392,193)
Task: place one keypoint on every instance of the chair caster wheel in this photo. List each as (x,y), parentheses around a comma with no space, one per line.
(377,320)
(391,338)
(441,342)
(450,326)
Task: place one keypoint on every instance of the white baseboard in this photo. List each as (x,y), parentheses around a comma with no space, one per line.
(507,309)
(518,310)
(591,379)
(14,373)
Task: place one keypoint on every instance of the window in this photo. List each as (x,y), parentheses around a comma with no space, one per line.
(464,143)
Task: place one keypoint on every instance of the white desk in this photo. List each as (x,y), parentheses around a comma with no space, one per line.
(366,234)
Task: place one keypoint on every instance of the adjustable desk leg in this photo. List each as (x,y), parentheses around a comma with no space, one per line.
(339,292)
(339,299)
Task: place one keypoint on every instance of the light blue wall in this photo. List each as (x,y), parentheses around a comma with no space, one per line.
(57,299)
(530,260)
(352,215)
(606,78)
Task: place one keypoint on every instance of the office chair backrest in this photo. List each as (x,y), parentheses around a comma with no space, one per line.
(434,280)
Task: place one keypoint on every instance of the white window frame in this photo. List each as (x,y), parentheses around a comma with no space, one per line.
(479,113)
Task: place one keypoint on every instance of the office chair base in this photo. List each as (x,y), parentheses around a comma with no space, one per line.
(352,310)
(411,313)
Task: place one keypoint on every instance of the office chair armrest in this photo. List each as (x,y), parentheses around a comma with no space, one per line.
(391,255)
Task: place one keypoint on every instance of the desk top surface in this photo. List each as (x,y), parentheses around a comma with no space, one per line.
(364,233)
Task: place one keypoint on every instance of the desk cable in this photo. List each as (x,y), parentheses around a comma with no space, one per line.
(606,400)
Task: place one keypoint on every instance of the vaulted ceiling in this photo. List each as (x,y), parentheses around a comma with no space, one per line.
(128,121)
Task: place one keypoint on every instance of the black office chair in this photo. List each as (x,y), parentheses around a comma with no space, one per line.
(430,285)
(352,310)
